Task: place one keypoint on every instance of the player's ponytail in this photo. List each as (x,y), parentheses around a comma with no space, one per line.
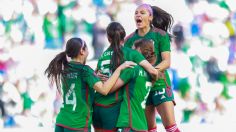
(56,67)
(116,35)
(161,19)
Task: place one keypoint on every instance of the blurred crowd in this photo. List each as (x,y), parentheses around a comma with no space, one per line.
(203,56)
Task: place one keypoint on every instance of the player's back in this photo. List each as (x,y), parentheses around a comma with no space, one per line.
(137,87)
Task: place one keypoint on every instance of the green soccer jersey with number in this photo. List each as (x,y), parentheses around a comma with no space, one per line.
(137,87)
(78,96)
(162,43)
(104,65)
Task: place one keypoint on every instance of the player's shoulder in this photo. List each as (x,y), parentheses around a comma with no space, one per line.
(139,71)
(81,69)
(138,68)
(130,36)
(159,31)
(87,71)
(130,51)
(87,68)
(127,49)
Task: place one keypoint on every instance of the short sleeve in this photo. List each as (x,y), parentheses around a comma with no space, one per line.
(89,76)
(135,56)
(127,75)
(129,40)
(164,43)
(128,43)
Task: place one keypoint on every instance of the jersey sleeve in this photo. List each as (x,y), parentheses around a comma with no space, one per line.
(89,76)
(164,43)
(127,75)
(128,43)
(135,56)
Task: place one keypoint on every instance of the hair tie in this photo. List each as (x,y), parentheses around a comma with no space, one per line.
(148,7)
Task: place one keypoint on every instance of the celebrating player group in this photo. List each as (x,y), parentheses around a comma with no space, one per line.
(129,85)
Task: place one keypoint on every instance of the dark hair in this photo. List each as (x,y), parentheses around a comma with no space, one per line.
(179,38)
(162,19)
(147,49)
(116,34)
(55,69)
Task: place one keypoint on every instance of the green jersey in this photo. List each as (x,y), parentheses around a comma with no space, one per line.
(162,43)
(78,96)
(137,87)
(105,67)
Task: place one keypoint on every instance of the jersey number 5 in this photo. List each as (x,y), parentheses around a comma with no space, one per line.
(106,70)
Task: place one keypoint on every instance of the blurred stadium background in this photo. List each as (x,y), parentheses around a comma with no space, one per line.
(203,65)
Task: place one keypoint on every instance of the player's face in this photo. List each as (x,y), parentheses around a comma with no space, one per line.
(142,17)
(84,54)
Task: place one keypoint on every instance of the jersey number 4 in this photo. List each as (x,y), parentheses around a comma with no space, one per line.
(70,98)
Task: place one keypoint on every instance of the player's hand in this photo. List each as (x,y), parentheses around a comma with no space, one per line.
(159,75)
(127,64)
(102,76)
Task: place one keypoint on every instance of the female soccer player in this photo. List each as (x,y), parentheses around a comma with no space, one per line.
(153,23)
(137,87)
(106,108)
(78,84)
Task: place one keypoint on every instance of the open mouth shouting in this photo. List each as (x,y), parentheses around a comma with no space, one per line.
(138,21)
